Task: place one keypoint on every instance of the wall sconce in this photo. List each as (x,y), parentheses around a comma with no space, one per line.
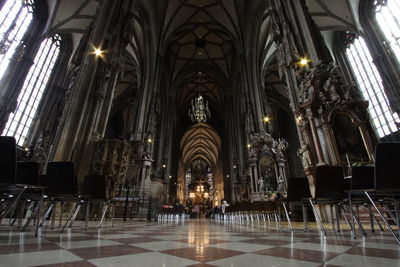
(248,145)
(192,195)
(206,195)
(266,119)
(234,166)
(149,140)
(164,166)
(303,62)
(98,52)
(170,177)
(299,119)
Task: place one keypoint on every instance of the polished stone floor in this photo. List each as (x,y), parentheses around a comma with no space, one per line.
(194,243)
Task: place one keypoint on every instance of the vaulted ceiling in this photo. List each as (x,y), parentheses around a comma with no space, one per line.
(199,40)
(338,14)
(200,145)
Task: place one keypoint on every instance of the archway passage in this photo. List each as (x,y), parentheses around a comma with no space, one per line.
(200,179)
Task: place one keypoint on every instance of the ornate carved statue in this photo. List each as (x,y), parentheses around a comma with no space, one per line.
(330,89)
(304,153)
(261,184)
(281,184)
(304,88)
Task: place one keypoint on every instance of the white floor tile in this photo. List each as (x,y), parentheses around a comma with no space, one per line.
(319,247)
(239,246)
(255,260)
(87,243)
(162,245)
(151,259)
(37,258)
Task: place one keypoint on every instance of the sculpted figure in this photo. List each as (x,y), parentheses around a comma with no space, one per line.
(304,153)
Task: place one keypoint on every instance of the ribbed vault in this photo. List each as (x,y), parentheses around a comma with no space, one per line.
(198,41)
(200,144)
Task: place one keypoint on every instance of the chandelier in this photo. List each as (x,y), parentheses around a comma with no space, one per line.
(199,110)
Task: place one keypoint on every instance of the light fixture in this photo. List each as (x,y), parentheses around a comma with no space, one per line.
(98,52)
(206,195)
(192,195)
(304,61)
(26,149)
(227,176)
(199,111)
(248,145)
(299,119)
(266,119)
(170,177)
(164,166)
(234,166)
(149,140)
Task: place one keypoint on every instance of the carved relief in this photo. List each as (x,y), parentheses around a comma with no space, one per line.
(112,161)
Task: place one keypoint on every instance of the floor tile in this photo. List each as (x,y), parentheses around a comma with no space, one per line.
(71,238)
(37,258)
(162,245)
(266,242)
(339,242)
(133,240)
(20,248)
(116,236)
(351,260)
(87,243)
(375,252)
(69,264)
(379,245)
(107,251)
(319,247)
(254,260)
(202,254)
(299,254)
(231,238)
(240,246)
(200,241)
(137,260)
(168,237)
(202,265)
(14,240)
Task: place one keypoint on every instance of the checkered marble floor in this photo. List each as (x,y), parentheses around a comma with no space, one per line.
(194,243)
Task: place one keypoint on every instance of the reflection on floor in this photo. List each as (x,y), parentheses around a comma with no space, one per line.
(195,243)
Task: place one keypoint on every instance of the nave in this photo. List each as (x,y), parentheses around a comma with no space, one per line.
(195,242)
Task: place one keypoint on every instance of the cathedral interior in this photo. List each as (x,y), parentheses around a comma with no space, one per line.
(213,120)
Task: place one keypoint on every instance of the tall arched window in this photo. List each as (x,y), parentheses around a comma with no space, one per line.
(387,16)
(370,84)
(19,122)
(15,17)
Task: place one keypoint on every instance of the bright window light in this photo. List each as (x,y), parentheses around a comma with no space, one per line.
(370,84)
(15,17)
(19,122)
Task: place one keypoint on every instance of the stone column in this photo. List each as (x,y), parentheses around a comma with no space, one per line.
(77,108)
